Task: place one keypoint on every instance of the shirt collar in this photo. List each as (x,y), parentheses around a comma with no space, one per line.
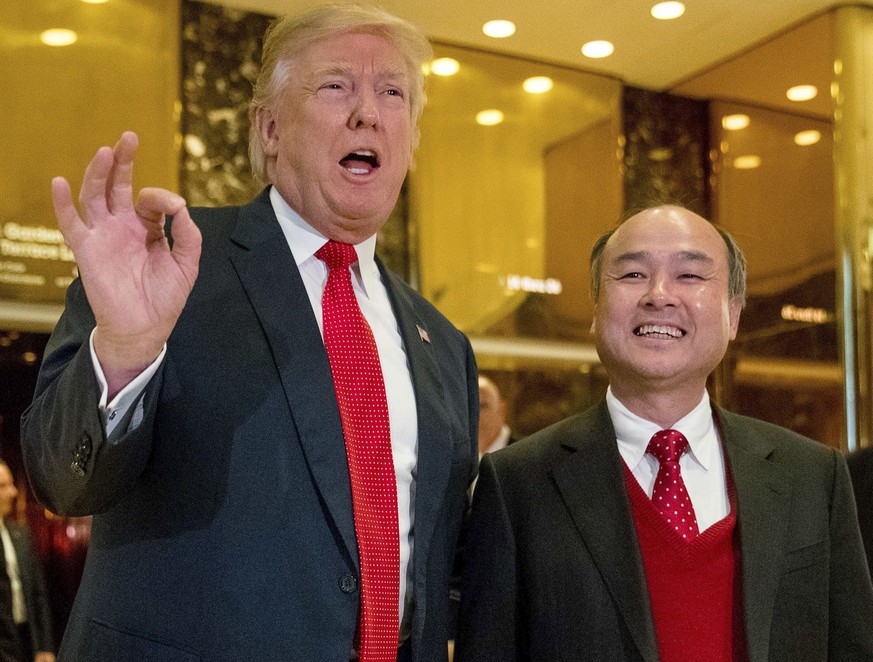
(304,241)
(633,432)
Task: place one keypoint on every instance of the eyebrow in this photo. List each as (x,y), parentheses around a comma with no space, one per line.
(682,256)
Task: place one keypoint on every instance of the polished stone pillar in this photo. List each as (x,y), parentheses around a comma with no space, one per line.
(853,155)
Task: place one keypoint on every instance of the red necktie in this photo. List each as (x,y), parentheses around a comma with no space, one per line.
(669,494)
(360,392)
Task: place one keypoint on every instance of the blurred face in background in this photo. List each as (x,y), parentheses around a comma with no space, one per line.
(8,491)
(492,413)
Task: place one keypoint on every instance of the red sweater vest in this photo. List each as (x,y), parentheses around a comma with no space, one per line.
(694,587)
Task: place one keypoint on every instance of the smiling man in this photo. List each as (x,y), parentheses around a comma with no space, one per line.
(275,434)
(657,526)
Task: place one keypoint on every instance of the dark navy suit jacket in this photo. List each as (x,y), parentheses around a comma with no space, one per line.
(223,525)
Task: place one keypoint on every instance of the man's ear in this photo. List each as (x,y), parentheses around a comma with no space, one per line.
(735,307)
(268,130)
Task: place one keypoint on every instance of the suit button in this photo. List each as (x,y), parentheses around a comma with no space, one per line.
(348,583)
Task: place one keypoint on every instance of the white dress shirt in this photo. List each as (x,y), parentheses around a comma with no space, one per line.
(372,297)
(19,611)
(702,466)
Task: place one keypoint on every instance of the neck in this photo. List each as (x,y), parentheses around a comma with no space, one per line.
(664,407)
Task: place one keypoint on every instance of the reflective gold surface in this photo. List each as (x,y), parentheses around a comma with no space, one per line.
(523,198)
(59,104)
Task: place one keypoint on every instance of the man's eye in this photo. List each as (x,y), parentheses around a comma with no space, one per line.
(691,276)
(632,275)
(394,92)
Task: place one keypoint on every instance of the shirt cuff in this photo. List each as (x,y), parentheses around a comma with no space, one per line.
(114,411)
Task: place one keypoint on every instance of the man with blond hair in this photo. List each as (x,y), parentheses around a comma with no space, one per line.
(275,434)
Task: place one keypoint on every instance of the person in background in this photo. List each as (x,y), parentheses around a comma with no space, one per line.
(275,434)
(861,470)
(26,631)
(494,433)
(657,526)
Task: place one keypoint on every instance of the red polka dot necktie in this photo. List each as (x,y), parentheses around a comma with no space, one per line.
(360,393)
(669,494)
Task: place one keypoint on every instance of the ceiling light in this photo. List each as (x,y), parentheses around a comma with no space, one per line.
(538,85)
(668,10)
(598,49)
(95,2)
(748,162)
(499,29)
(489,117)
(735,122)
(807,138)
(802,92)
(58,37)
(445,66)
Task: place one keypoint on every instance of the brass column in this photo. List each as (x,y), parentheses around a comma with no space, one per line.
(853,161)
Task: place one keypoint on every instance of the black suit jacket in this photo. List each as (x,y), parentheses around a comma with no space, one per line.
(861,469)
(554,570)
(223,525)
(39,616)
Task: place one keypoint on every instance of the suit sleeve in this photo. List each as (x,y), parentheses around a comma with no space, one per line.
(487,627)
(73,468)
(851,593)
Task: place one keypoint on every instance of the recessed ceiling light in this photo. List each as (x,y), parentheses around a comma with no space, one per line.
(445,66)
(802,92)
(747,162)
(489,117)
(806,138)
(499,29)
(95,2)
(735,122)
(58,37)
(538,85)
(598,49)
(668,10)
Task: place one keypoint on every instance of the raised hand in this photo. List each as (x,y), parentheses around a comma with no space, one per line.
(135,284)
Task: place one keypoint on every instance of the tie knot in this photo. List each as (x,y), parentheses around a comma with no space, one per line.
(337,255)
(667,445)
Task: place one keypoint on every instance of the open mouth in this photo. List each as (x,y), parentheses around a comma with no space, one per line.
(360,162)
(658,331)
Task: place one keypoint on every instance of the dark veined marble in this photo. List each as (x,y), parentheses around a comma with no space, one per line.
(221,55)
(665,153)
(221,52)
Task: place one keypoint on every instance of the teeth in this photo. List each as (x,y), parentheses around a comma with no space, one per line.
(671,331)
(358,171)
(364,152)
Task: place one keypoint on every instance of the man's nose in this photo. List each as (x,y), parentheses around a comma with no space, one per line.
(660,292)
(365,113)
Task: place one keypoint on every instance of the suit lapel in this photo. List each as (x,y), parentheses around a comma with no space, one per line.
(763,499)
(591,481)
(266,269)
(434,440)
